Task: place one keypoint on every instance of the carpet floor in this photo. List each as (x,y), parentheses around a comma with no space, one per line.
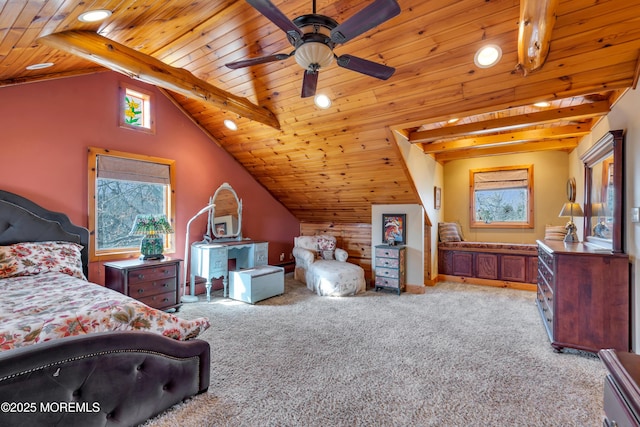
(457,355)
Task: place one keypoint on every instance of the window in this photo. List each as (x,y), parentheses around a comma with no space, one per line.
(502,197)
(135,109)
(121,186)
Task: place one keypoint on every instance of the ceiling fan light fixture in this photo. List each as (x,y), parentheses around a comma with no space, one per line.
(313,56)
(487,56)
(322,101)
(94,15)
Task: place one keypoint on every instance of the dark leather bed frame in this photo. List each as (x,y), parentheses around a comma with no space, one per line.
(103,379)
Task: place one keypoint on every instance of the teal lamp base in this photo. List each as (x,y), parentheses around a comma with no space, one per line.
(151,247)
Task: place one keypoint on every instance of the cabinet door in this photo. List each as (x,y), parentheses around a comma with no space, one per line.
(487,266)
(514,268)
(462,264)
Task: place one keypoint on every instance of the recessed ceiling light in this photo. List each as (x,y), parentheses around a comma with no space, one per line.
(542,104)
(230,124)
(322,101)
(94,15)
(488,56)
(453,120)
(39,66)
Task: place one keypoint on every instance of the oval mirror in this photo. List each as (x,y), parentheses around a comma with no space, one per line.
(226,218)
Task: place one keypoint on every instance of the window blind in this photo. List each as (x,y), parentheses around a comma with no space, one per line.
(111,167)
(497,180)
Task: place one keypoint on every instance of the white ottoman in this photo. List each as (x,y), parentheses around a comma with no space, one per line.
(256,284)
(335,278)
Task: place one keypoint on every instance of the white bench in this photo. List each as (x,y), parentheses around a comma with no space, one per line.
(256,284)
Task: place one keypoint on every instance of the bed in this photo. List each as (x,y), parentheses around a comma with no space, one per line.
(72,352)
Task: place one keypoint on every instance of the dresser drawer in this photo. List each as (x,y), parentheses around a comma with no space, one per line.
(388,252)
(387,282)
(151,273)
(160,300)
(141,290)
(387,262)
(545,257)
(616,408)
(387,272)
(545,308)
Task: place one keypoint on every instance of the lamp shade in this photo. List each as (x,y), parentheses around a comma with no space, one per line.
(600,209)
(152,228)
(313,56)
(151,224)
(571,210)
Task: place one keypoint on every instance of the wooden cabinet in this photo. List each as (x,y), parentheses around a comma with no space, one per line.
(583,296)
(489,261)
(390,267)
(621,392)
(155,283)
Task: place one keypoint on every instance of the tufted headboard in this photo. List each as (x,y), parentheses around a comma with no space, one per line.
(21,220)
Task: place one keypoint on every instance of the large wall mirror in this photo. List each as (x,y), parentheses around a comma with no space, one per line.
(225,220)
(603,177)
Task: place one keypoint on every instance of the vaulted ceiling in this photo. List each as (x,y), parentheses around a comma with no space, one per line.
(331,165)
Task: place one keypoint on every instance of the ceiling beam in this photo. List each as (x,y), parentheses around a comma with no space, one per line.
(559,132)
(582,111)
(537,18)
(558,145)
(137,65)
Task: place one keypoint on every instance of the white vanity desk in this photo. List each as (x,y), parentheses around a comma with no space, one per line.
(211,260)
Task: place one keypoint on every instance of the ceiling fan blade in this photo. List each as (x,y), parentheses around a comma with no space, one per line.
(256,61)
(364,66)
(371,16)
(276,16)
(309,83)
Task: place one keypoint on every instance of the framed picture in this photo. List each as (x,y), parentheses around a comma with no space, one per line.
(394,228)
(221,228)
(437,196)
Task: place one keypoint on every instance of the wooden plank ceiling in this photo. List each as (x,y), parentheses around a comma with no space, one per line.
(331,165)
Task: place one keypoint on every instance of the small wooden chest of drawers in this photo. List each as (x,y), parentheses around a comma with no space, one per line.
(155,283)
(390,267)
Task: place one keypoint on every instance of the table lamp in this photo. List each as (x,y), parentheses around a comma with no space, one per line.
(600,210)
(152,228)
(570,210)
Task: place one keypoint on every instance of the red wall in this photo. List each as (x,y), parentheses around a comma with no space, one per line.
(47,127)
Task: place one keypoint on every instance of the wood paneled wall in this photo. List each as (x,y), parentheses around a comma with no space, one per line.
(353,238)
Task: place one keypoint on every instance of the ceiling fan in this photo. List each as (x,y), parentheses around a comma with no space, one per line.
(314,36)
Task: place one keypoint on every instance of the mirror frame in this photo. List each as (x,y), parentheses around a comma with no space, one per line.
(212,214)
(611,143)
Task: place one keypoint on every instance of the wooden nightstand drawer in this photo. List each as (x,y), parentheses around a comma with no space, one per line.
(159,300)
(138,290)
(151,273)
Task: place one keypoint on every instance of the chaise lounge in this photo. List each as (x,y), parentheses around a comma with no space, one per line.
(323,267)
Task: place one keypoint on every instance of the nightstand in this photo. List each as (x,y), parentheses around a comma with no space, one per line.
(155,283)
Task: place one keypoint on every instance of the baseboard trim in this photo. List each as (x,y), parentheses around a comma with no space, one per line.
(488,282)
(414,289)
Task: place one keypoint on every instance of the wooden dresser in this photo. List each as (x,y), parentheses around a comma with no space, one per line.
(583,296)
(621,391)
(390,267)
(155,283)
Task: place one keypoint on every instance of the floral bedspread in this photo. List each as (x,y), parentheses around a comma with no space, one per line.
(53,305)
